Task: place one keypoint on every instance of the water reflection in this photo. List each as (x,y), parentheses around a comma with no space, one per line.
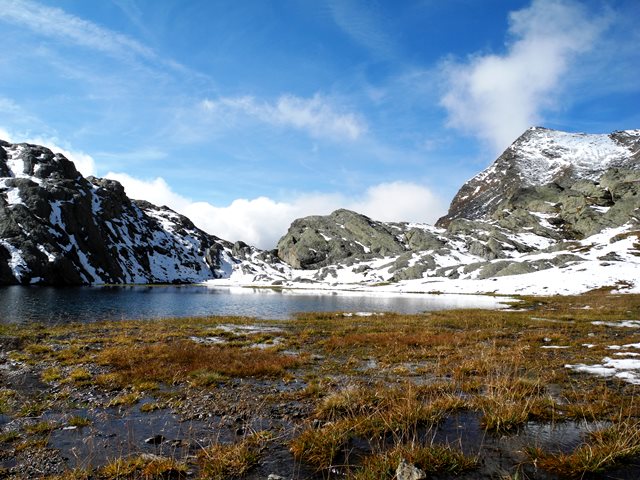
(87,304)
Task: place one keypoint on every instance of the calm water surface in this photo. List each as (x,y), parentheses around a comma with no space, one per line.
(87,304)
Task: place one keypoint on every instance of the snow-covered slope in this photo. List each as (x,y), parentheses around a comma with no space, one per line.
(539,157)
(556,212)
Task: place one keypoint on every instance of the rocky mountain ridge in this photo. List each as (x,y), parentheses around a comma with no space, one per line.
(535,208)
(59,228)
(540,157)
(552,202)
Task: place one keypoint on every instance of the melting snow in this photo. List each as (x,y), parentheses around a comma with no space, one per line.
(16,263)
(621,324)
(627,369)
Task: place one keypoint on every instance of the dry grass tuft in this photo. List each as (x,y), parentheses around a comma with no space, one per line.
(432,459)
(220,461)
(143,467)
(319,447)
(371,414)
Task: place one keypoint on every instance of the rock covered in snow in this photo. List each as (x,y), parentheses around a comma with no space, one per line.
(543,157)
(59,228)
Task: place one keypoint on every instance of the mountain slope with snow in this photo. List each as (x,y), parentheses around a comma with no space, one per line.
(556,213)
(541,157)
(554,201)
(59,228)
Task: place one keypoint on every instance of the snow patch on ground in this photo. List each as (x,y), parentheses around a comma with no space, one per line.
(621,324)
(627,369)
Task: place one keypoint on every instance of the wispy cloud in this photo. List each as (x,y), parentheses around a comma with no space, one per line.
(316,115)
(54,22)
(496,97)
(362,22)
(244,219)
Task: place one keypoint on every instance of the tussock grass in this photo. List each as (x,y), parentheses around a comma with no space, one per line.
(51,374)
(79,375)
(432,459)
(78,421)
(7,400)
(371,414)
(143,467)
(9,436)
(125,399)
(223,461)
(603,449)
(41,428)
(319,447)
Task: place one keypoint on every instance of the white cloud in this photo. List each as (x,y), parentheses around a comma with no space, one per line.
(155,190)
(262,221)
(54,22)
(316,115)
(5,135)
(400,201)
(496,97)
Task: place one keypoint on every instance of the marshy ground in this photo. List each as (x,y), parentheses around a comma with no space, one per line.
(464,394)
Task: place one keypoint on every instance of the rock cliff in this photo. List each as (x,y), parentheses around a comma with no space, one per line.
(59,228)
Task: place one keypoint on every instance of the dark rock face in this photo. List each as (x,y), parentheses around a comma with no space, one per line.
(59,228)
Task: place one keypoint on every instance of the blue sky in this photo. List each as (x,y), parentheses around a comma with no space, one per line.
(247,114)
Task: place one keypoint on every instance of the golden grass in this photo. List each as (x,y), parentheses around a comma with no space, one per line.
(143,467)
(319,447)
(432,459)
(223,461)
(424,367)
(175,361)
(371,414)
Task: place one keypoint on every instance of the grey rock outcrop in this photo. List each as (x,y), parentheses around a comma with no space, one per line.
(317,241)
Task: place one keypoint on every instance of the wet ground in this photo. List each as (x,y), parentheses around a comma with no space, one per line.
(225,416)
(41,435)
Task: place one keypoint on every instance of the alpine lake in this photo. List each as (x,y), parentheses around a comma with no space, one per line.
(173,382)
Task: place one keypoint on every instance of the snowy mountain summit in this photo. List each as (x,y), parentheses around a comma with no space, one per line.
(539,157)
